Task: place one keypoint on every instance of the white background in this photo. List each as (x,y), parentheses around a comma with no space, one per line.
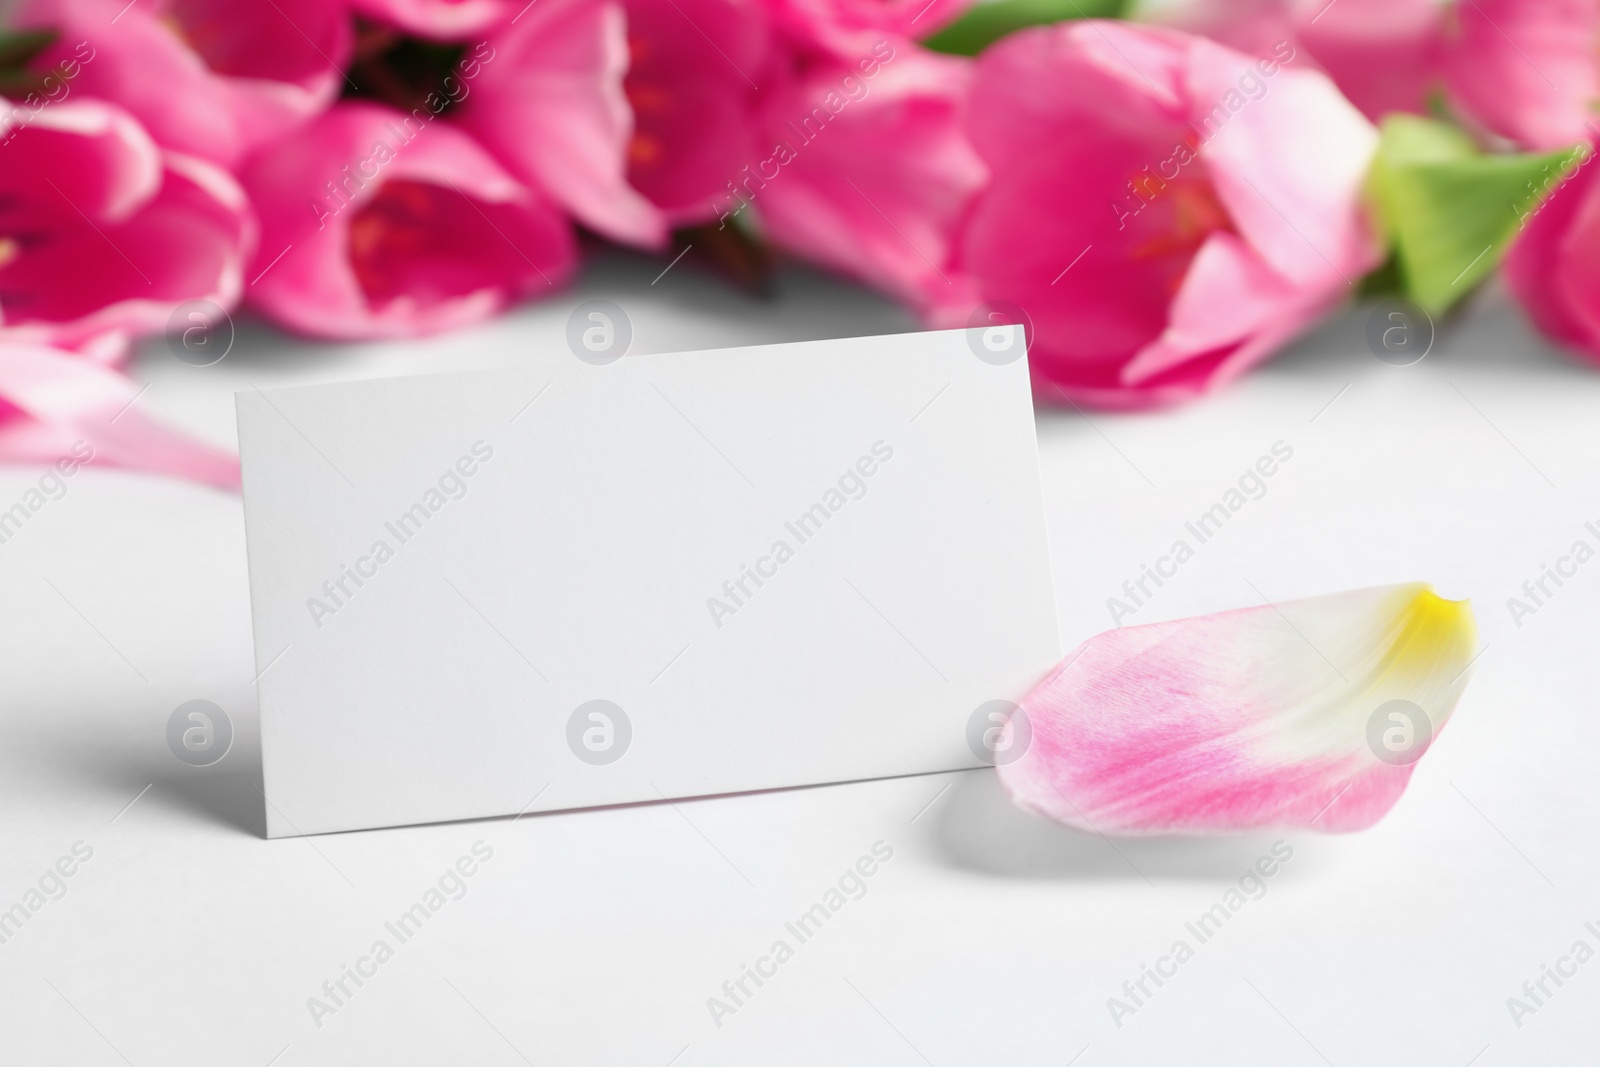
(990,937)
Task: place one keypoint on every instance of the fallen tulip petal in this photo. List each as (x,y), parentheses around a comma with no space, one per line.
(53,403)
(1310,714)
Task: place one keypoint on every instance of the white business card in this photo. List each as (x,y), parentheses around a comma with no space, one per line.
(564,584)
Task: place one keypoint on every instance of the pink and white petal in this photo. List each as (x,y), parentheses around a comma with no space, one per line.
(1289,165)
(550,105)
(55,399)
(1264,716)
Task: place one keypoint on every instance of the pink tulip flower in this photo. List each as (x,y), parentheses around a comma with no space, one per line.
(102,235)
(1167,211)
(870,171)
(1554,268)
(209,78)
(1527,70)
(377,223)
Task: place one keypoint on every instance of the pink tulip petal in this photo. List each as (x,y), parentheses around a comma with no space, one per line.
(550,105)
(1227,294)
(1575,289)
(1526,69)
(848,29)
(1264,716)
(1545,267)
(691,83)
(1385,55)
(1279,160)
(1228,300)
(52,399)
(442,19)
(874,187)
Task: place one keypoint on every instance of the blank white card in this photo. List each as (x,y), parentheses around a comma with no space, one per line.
(561,584)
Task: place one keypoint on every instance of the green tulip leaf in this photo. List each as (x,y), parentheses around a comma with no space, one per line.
(1450,211)
(987,22)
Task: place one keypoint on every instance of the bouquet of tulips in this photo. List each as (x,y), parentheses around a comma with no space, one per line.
(1165,197)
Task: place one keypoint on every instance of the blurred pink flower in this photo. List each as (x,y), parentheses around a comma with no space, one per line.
(211,78)
(1385,55)
(1554,268)
(1169,213)
(1527,69)
(871,171)
(376,223)
(102,234)
(442,19)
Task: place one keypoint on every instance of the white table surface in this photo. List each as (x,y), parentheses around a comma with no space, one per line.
(990,937)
